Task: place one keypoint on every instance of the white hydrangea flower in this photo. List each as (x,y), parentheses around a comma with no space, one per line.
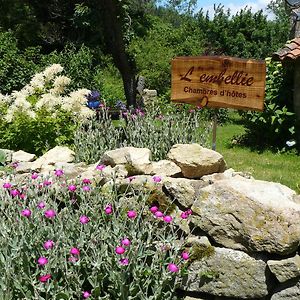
(51,71)
(28,90)
(48,101)
(59,84)
(38,81)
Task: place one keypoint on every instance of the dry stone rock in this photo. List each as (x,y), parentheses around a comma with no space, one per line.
(287,292)
(22,156)
(71,170)
(196,161)
(127,155)
(24,167)
(249,215)
(228,273)
(165,168)
(285,269)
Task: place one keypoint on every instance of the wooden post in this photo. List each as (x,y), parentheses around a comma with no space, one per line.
(214,138)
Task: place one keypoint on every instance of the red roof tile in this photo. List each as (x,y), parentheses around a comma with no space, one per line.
(291,50)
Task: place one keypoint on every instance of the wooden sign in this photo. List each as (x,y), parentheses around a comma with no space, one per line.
(219,81)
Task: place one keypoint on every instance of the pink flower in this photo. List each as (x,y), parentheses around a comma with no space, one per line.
(159,214)
(173,268)
(100,167)
(34,176)
(168,219)
(86,188)
(42,261)
(22,196)
(73,259)
(131,214)
(156,178)
(72,188)
(50,214)
(45,278)
(131,178)
(86,294)
(47,183)
(126,242)
(184,215)
(59,172)
(185,255)
(154,209)
(41,205)
(74,251)
(48,244)
(14,193)
(7,185)
(119,250)
(26,213)
(124,261)
(84,219)
(189,212)
(86,181)
(108,209)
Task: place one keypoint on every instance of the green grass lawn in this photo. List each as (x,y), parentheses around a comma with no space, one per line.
(266,165)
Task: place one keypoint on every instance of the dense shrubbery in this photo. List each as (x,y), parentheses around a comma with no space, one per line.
(64,240)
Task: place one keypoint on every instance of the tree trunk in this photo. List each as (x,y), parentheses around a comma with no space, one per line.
(115,42)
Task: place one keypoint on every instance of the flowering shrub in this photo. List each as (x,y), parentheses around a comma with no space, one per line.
(42,115)
(62,243)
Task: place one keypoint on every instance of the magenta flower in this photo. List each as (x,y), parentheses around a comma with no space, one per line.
(41,205)
(119,250)
(154,209)
(131,214)
(156,178)
(34,176)
(159,214)
(45,278)
(50,214)
(126,242)
(59,172)
(72,188)
(14,193)
(26,213)
(84,219)
(100,167)
(108,209)
(42,261)
(184,215)
(7,185)
(189,212)
(124,261)
(47,183)
(86,181)
(86,294)
(74,251)
(168,219)
(86,188)
(173,268)
(48,244)
(22,196)
(185,255)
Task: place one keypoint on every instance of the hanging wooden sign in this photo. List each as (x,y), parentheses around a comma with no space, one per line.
(219,81)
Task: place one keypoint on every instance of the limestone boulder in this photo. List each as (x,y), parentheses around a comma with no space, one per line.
(289,291)
(126,155)
(24,167)
(196,161)
(250,215)
(23,156)
(285,269)
(165,168)
(71,170)
(228,273)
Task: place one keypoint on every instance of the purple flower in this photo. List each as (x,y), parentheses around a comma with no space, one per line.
(45,278)
(74,251)
(158,214)
(126,242)
(100,167)
(47,183)
(48,244)
(7,185)
(108,209)
(119,250)
(86,181)
(185,255)
(86,188)
(59,172)
(14,193)
(34,176)
(156,179)
(26,213)
(86,294)
(41,205)
(124,261)
(154,209)
(50,214)
(173,268)
(72,188)
(168,219)
(42,261)
(84,219)
(131,214)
